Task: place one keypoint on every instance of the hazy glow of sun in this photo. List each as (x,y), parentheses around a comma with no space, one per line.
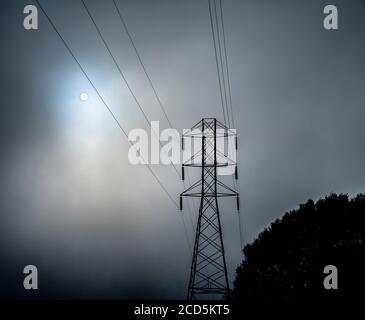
(84,96)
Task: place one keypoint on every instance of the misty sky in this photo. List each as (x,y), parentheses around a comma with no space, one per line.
(99,227)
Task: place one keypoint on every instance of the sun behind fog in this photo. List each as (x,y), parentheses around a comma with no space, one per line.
(84,96)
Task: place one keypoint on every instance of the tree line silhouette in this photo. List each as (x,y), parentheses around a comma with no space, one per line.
(285,264)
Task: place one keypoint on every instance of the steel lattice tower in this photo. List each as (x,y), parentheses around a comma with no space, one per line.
(208,273)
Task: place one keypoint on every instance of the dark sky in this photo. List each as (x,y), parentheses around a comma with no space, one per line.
(99,227)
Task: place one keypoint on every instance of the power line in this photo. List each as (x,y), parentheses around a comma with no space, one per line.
(102,99)
(221,62)
(141,62)
(113,116)
(217,63)
(122,75)
(227,68)
(115,61)
(222,66)
(128,86)
(150,82)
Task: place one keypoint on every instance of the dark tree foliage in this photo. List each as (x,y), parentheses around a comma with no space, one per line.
(286,262)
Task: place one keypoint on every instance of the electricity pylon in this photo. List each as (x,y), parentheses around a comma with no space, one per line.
(208,273)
